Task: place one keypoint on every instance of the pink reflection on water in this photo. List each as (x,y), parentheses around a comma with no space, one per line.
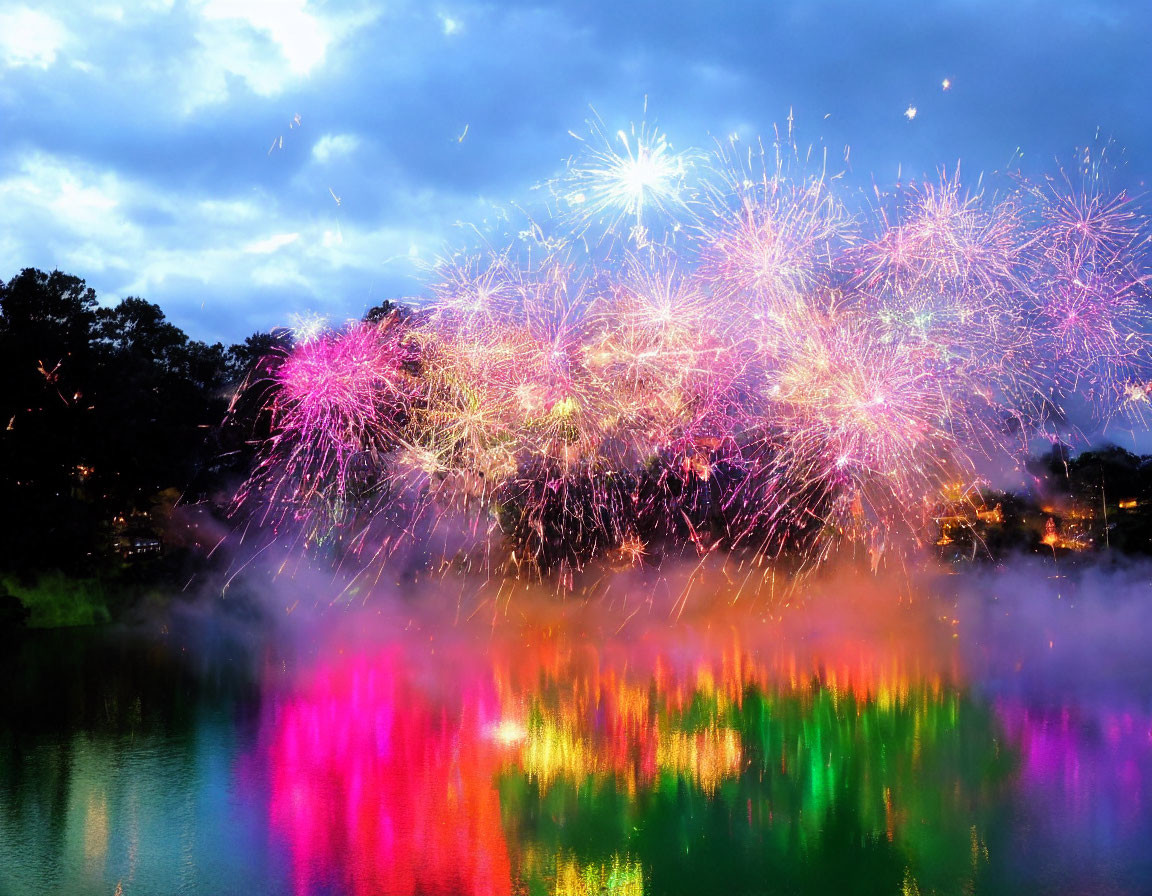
(375,789)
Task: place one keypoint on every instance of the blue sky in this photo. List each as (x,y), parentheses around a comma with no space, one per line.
(238,162)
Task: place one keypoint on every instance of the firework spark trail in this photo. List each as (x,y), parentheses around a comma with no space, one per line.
(768,238)
(694,354)
(342,401)
(1089,306)
(630,188)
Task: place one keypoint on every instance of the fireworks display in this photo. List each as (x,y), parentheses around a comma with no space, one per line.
(689,352)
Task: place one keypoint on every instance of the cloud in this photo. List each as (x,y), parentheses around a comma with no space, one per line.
(301,38)
(449,24)
(265,45)
(211,262)
(79,214)
(332,146)
(29,37)
(136,139)
(271,244)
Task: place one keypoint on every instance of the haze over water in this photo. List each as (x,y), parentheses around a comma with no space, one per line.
(876,738)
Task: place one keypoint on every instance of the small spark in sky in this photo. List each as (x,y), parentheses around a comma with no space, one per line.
(946,84)
(308,326)
(278,142)
(460,139)
(910,113)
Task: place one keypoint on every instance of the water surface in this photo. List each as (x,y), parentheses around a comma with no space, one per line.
(851,744)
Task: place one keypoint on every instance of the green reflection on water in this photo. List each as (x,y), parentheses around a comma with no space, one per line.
(830,793)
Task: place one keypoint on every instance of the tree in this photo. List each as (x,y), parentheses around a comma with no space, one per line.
(105,411)
(46,326)
(243,358)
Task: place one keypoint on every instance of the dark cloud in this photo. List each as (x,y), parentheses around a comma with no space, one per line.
(178,125)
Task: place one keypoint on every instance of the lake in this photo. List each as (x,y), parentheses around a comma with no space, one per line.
(856,740)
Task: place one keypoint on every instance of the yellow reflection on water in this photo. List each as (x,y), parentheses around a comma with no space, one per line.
(620,877)
(96,828)
(705,757)
(553,748)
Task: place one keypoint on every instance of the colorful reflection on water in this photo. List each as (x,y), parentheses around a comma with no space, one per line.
(716,756)
(555,755)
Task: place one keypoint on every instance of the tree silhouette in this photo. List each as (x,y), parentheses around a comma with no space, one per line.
(109,415)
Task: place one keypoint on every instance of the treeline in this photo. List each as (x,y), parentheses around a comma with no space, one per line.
(119,456)
(1077,505)
(108,417)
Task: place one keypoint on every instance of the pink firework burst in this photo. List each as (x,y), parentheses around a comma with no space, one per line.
(340,405)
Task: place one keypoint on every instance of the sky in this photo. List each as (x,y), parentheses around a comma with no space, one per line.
(238,162)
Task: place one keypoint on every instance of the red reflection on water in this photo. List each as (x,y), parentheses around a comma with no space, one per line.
(377,790)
